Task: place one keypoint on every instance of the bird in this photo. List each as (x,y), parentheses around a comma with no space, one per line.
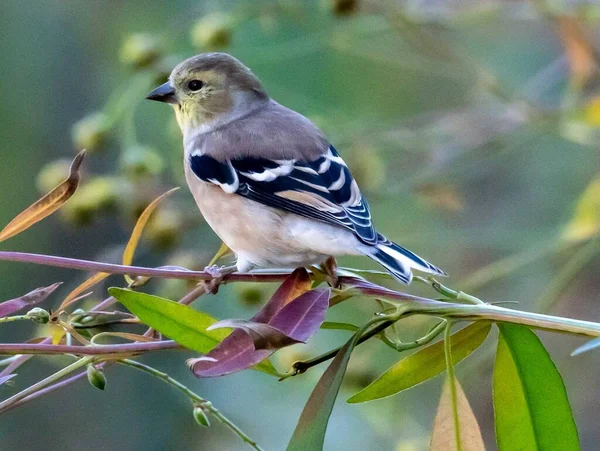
(266,179)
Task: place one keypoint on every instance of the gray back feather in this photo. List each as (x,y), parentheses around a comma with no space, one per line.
(271,131)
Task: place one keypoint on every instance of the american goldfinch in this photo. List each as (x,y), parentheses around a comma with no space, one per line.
(266,179)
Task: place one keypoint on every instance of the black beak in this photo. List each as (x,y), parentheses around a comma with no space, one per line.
(164,93)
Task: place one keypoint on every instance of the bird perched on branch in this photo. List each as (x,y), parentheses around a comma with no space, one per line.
(266,179)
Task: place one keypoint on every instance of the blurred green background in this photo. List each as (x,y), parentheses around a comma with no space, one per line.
(472,127)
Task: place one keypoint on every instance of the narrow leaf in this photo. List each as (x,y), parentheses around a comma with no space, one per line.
(294,310)
(424,364)
(27,300)
(222,252)
(46,205)
(444,431)
(592,344)
(531,407)
(81,288)
(312,425)
(4,379)
(179,322)
(263,336)
(139,228)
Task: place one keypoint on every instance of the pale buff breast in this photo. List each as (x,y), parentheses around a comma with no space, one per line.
(262,236)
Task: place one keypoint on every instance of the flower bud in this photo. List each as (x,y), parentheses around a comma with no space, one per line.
(91,131)
(201,417)
(52,175)
(38,315)
(140,161)
(139,50)
(96,377)
(212,32)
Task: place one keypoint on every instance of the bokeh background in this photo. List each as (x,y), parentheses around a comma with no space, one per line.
(472,127)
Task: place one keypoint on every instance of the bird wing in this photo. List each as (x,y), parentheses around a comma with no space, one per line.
(321,189)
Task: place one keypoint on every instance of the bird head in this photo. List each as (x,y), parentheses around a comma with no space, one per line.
(208,88)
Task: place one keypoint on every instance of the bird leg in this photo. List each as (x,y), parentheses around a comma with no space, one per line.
(329,267)
(217,273)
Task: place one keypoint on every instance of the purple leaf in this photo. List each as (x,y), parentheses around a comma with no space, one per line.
(6,378)
(34,297)
(263,336)
(293,315)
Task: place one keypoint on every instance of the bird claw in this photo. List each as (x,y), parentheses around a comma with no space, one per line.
(217,273)
(330,266)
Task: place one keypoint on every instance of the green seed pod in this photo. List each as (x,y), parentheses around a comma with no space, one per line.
(91,131)
(98,194)
(164,228)
(212,32)
(96,377)
(38,315)
(201,417)
(139,50)
(52,174)
(140,161)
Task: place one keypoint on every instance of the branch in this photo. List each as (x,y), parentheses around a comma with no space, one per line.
(125,348)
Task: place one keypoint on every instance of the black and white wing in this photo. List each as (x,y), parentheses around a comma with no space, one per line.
(322,189)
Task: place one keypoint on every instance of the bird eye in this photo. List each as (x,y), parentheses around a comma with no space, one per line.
(195,85)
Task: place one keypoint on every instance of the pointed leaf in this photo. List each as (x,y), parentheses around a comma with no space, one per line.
(81,288)
(139,228)
(444,427)
(312,425)
(222,252)
(531,407)
(263,336)
(294,310)
(27,300)
(585,222)
(592,344)
(4,379)
(179,322)
(46,205)
(424,364)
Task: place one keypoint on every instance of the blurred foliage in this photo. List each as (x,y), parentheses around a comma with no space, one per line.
(472,127)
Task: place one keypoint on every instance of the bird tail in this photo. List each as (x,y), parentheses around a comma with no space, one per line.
(400,261)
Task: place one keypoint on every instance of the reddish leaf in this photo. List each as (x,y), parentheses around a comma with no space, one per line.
(34,297)
(263,336)
(292,315)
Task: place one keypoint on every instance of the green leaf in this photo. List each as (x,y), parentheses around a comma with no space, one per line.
(531,407)
(178,322)
(312,425)
(424,364)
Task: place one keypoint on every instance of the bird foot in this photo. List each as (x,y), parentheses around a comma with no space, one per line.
(217,273)
(329,267)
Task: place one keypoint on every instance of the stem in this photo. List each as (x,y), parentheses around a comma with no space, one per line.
(87,265)
(44,382)
(452,382)
(8,319)
(423,340)
(124,348)
(193,396)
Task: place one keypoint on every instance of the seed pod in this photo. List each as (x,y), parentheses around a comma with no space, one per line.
(139,50)
(38,315)
(140,161)
(91,131)
(96,377)
(201,417)
(212,32)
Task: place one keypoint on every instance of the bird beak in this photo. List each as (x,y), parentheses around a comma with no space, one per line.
(164,93)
